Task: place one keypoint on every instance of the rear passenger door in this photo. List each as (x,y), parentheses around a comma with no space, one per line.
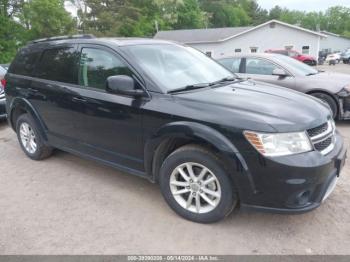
(51,89)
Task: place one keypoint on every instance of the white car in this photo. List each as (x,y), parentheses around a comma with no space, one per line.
(336,57)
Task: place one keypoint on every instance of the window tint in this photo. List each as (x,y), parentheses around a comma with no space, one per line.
(97,65)
(24,63)
(259,66)
(58,64)
(231,64)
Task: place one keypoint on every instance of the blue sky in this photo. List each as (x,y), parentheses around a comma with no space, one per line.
(303,5)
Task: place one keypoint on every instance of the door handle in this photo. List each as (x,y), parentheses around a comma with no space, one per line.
(79,99)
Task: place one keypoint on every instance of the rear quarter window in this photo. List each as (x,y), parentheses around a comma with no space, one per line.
(24,63)
(58,64)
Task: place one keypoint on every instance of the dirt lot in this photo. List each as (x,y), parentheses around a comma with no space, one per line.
(68,205)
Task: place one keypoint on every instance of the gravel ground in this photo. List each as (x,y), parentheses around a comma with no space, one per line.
(68,205)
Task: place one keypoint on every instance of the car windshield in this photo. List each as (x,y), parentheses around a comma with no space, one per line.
(174,66)
(298,66)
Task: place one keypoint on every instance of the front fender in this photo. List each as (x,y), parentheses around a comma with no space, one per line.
(25,105)
(196,131)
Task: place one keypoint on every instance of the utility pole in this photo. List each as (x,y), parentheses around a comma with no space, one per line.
(156,25)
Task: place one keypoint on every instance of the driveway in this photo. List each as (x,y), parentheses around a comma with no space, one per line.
(69,205)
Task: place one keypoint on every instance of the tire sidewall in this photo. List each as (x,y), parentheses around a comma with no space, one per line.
(330,101)
(227,200)
(29,120)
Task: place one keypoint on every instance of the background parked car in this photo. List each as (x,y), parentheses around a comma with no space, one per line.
(333,58)
(332,88)
(307,59)
(346,57)
(3,70)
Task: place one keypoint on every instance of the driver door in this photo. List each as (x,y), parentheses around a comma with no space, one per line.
(106,126)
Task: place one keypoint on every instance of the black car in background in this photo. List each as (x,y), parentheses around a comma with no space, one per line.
(168,113)
(3,70)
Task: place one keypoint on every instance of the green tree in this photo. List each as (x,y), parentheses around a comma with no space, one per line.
(45,18)
(11,38)
(190,16)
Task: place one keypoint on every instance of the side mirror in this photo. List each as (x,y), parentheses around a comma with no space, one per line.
(124,85)
(279,72)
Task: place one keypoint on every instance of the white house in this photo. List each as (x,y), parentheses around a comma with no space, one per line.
(274,34)
(334,42)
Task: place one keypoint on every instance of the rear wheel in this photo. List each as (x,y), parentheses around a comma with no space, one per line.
(30,139)
(195,185)
(330,101)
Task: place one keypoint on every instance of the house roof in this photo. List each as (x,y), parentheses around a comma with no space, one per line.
(336,35)
(213,35)
(201,35)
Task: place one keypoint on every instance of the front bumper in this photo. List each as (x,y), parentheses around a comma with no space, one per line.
(294,184)
(3,108)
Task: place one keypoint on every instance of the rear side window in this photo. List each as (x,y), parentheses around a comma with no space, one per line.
(231,64)
(97,65)
(24,63)
(58,64)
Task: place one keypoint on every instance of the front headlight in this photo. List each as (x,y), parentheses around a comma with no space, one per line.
(279,144)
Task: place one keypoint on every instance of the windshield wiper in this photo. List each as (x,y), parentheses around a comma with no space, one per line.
(311,74)
(202,85)
(188,87)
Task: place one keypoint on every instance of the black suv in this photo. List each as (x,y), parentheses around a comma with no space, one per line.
(168,113)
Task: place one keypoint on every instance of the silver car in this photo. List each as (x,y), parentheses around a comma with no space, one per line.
(332,88)
(3,70)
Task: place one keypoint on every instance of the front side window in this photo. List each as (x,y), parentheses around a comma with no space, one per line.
(174,66)
(259,66)
(97,65)
(231,64)
(58,64)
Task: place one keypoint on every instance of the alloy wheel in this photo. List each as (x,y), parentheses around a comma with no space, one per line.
(195,187)
(28,138)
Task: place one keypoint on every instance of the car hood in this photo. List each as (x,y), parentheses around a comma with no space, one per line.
(333,82)
(255,106)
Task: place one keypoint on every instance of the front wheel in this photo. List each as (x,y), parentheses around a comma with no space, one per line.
(195,185)
(330,101)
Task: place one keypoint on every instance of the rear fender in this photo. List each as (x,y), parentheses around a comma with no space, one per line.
(25,105)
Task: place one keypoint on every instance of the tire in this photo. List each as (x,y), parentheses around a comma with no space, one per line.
(27,130)
(198,158)
(330,101)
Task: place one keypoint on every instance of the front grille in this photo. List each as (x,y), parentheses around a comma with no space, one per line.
(318,130)
(322,137)
(324,144)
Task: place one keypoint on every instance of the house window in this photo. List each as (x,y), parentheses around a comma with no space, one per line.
(306,49)
(253,49)
(238,50)
(208,53)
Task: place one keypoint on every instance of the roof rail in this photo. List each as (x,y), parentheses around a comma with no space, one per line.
(64,37)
